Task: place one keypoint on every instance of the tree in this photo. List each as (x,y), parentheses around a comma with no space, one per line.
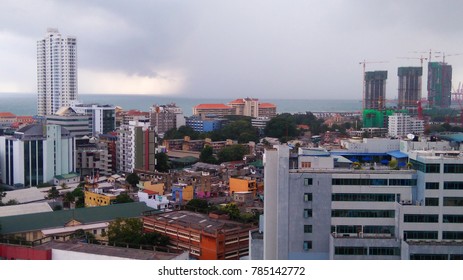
(130,231)
(53,193)
(281,126)
(162,162)
(207,155)
(123,198)
(232,153)
(132,179)
(198,205)
(79,197)
(181,132)
(68,198)
(393,164)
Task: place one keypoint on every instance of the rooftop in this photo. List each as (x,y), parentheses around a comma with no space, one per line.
(125,253)
(22,209)
(267,105)
(7,115)
(212,106)
(23,196)
(39,221)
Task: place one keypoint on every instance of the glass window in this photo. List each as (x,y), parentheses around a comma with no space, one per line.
(453,235)
(307,197)
(384,251)
(308,181)
(453,201)
(363,197)
(454,219)
(307,213)
(453,185)
(307,228)
(307,245)
(432,185)
(420,234)
(419,218)
(431,201)
(363,213)
(453,168)
(350,250)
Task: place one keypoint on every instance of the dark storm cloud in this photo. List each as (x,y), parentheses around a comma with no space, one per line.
(266,49)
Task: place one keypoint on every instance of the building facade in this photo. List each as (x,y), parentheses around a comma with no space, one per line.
(409,88)
(78,125)
(166,117)
(103,117)
(316,211)
(56,72)
(35,154)
(136,147)
(375,90)
(400,125)
(439,84)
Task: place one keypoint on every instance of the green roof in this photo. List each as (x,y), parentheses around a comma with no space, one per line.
(67,176)
(39,221)
(186,160)
(257,163)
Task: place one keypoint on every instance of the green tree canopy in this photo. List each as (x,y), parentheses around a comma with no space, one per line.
(162,162)
(123,198)
(130,231)
(181,132)
(281,126)
(207,155)
(132,179)
(53,193)
(232,153)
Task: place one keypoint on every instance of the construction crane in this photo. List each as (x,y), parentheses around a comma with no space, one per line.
(421,58)
(445,55)
(364,63)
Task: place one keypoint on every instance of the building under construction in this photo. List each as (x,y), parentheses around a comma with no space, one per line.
(409,88)
(375,90)
(439,84)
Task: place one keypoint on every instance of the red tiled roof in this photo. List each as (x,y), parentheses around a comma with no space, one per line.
(237,101)
(7,115)
(212,106)
(267,105)
(136,113)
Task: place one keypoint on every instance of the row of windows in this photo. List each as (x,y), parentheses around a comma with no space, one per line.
(454,219)
(453,201)
(436,257)
(453,185)
(363,197)
(365,229)
(373,182)
(432,185)
(363,213)
(453,168)
(425,168)
(420,218)
(420,234)
(452,235)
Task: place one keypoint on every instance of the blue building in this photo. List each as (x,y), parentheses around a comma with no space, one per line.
(204,125)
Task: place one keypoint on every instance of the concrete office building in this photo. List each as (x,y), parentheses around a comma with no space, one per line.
(56,72)
(78,125)
(409,88)
(35,154)
(313,210)
(400,125)
(166,117)
(103,117)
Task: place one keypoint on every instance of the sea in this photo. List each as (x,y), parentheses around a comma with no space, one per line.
(25,104)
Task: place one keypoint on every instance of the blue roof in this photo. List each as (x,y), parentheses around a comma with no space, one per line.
(397,154)
(456,137)
(347,153)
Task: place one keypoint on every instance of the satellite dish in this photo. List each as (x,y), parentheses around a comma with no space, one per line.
(411,136)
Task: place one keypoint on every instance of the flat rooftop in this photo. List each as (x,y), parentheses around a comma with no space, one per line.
(200,221)
(102,250)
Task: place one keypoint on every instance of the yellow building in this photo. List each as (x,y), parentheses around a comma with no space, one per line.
(158,188)
(95,199)
(244,184)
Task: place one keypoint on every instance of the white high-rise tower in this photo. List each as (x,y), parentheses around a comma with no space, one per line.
(56,72)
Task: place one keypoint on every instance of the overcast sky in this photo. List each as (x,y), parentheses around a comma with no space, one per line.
(210,48)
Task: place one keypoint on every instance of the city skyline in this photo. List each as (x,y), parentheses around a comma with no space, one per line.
(301,50)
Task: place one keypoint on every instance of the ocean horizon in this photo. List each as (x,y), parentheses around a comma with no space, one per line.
(26,103)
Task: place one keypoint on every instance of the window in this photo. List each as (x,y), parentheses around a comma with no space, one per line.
(402,182)
(307,245)
(363,213)
(458,185)
(453,201)
(308,181)
(418,218)
(452,235)
(453,219)
(384,251)
(307,197)
(307,228)
(425,168)
(428,257)
(431,201)
(306,164)
(432,185)
(307,213)
(363,197)
(420,234)
(453,168)
(350,250)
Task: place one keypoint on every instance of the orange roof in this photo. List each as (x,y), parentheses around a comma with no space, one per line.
(136,113)
(237,101)
(267,105)
(7,115)
(212,106)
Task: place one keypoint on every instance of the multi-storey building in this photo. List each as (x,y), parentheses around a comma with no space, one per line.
(205,237)
(409,88)
(136,146)
(375,90)
(166,117)
(35,154)
(103,117)
(439,84)
(204,124)
(110,140)
(400,125)
(56,72)
(317,211)
(217,110)
(78,125)
(94,158)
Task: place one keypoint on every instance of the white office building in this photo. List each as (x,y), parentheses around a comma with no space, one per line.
(56,72)
(315,211)
(400,125)
(35,154)
(103,117)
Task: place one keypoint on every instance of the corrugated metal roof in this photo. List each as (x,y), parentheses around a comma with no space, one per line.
(39,221)
(397,154)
